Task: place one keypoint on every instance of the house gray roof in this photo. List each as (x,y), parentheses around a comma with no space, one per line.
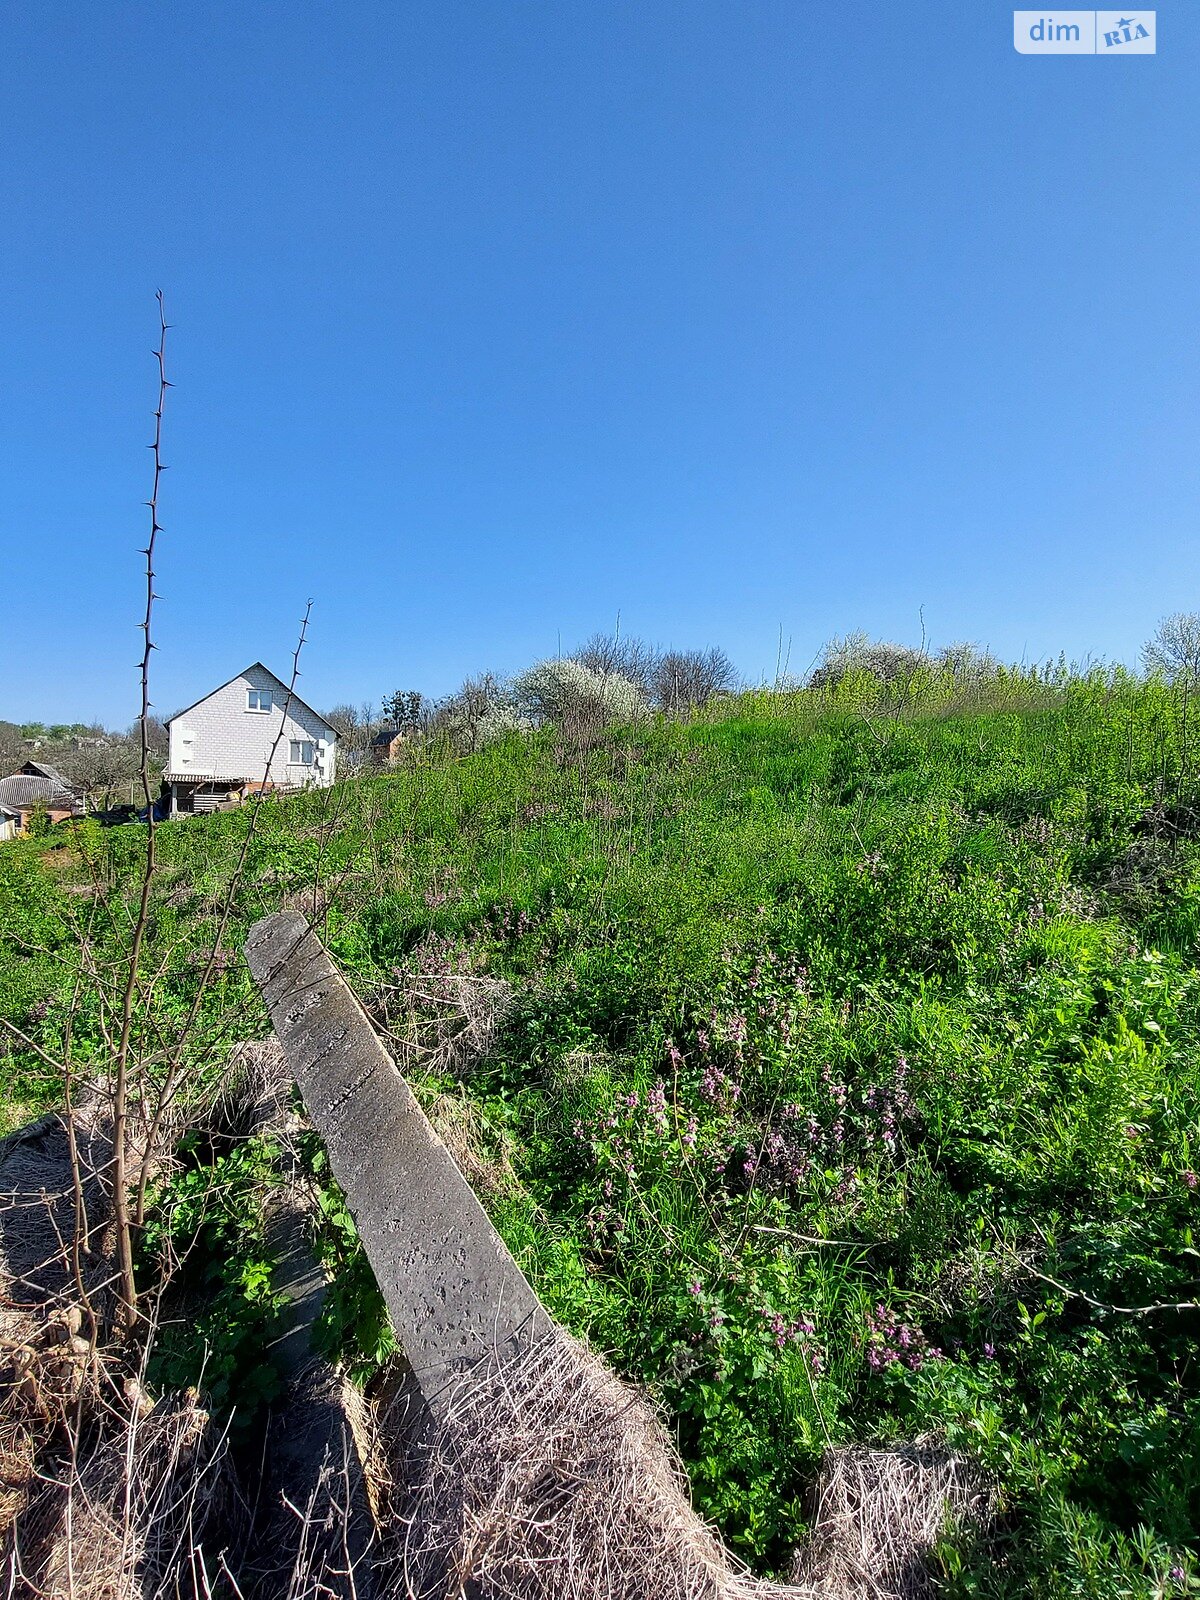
(41,769)
(287,695)
(24,790)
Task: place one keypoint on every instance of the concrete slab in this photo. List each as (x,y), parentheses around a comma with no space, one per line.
(455,1294)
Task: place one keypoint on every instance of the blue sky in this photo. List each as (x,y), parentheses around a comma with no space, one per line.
(739,318)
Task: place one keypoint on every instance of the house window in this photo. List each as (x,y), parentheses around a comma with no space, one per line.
(259,700)
(302,753)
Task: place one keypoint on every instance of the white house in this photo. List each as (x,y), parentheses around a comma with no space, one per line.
(245,736)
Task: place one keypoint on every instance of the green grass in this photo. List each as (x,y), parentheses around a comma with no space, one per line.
(918,981)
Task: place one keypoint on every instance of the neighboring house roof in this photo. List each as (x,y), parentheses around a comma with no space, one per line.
(254,666)
(40,769)
(24,790)
(387,736)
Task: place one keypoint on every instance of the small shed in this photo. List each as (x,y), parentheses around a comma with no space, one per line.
(35,789)
(387,744)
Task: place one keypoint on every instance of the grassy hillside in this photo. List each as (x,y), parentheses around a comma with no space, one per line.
(849,1089)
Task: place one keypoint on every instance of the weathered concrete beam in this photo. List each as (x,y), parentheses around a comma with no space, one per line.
(455,1294)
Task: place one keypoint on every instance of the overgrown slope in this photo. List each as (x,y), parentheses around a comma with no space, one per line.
(851,1080)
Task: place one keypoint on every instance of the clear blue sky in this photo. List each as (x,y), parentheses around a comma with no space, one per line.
(497,318)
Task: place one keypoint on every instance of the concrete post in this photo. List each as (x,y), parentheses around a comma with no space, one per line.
(455,1294)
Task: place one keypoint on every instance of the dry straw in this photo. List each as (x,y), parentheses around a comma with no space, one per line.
(553,1480)
(879,1514)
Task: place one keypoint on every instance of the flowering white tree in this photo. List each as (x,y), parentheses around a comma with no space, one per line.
(575,697)
(858,652)
(484,709)
(1174,651)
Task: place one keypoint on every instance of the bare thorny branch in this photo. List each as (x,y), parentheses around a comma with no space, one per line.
(120,1177)
(167,1094)
(97,1203)
(128,1219)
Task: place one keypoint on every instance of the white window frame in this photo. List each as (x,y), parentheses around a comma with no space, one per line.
(296,749)
(255,697)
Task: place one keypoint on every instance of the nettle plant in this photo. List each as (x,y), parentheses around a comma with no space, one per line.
(777,1116)
(750,1117)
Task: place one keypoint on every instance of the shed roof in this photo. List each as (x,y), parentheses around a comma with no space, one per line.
(25,790)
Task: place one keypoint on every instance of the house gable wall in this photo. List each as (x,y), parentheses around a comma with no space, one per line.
(219,738)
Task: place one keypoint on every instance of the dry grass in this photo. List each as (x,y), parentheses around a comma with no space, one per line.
(553,1480)
(126,1515)
(54,1296)
(254,1093)
(101,1494)
(440,1016)
(879,1514)
(317,1525)
(46,1367)
(43,1211)
(483,1161)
